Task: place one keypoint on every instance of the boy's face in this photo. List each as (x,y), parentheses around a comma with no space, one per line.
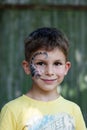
(48,69)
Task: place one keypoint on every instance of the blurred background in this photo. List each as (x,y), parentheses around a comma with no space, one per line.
(17,19)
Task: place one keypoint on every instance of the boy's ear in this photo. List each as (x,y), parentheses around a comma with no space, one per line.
(25,66)
(67,67)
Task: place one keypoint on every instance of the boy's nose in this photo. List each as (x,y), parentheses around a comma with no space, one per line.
(49,70)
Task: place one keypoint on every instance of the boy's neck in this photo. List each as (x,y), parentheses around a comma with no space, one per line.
(43,96)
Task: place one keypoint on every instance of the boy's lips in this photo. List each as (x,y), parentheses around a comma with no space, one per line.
(49,80)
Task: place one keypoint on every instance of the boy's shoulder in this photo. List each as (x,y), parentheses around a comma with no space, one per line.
(14,104)
(69,103)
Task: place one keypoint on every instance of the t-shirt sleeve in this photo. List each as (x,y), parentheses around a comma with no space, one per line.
(7,119)
(80,123)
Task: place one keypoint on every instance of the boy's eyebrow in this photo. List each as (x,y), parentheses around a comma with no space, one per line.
(39,53)
(59,60)
(45,60)
(33,57)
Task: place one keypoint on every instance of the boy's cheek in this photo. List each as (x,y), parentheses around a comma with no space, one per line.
(60,72)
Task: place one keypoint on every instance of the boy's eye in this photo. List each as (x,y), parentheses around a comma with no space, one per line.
(58,64)
(40,63)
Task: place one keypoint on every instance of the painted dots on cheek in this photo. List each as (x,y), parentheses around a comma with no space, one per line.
(35,71)
(41,70)
(32,68)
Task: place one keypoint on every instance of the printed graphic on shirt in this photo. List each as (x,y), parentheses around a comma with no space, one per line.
(61,121)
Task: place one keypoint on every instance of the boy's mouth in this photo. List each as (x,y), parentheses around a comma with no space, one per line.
(49,80)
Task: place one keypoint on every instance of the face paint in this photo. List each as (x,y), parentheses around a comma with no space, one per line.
(36,72)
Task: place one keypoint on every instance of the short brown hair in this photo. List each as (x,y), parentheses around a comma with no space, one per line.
(45,38)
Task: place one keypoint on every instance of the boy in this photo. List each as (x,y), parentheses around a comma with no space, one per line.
(43,108)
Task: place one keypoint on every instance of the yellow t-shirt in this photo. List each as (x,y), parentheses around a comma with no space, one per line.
(25,113)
